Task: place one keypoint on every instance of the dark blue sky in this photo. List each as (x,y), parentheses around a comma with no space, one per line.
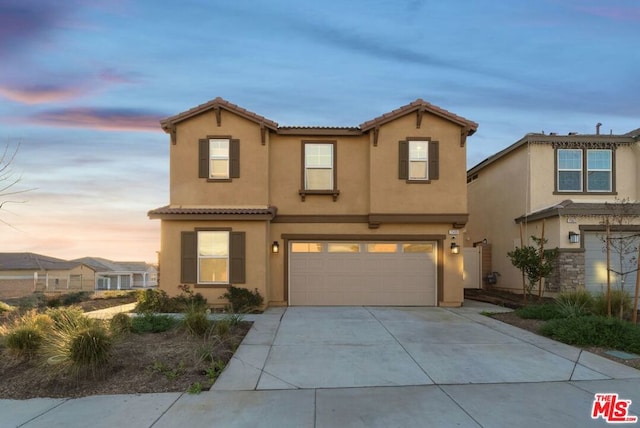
(83,85)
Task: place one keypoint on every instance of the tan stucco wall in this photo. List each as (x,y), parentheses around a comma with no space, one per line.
(185,186)
(388,194)
(257,253)
(285,176)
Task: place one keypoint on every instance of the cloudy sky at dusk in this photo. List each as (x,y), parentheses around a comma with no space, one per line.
(84,84)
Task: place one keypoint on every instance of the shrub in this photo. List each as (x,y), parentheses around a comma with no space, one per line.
(6,308)
(78,348)
(153,300)
(222,327)
(595,331)
(120,324)
(75,297)
(545,312)
(196,322)
(575,304)
(23,340)
(620,304)
(152,323)
(69,316)
(243,300)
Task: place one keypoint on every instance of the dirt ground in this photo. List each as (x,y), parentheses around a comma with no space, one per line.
(153,362)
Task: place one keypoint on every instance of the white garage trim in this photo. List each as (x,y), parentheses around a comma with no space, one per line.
(358,272)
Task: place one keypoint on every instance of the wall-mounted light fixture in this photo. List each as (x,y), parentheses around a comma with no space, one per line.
(275,247)
(455,248)
(574,238)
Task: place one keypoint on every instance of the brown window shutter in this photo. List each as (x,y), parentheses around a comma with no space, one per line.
(189,258)
(403,160)
(234,158)
(237,258)
(203,156)
(434,161)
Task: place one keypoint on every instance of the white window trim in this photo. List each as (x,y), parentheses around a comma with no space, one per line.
(419,159)
(227,257)
(321,167)
(559,170)
(226,157)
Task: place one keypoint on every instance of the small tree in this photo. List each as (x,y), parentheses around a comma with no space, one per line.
(535,263)
(8,179)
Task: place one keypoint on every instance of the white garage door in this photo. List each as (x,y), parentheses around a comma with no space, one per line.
(595,260)
(362,273)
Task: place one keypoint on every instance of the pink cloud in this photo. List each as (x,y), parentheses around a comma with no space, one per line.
(614,13)
(106,119)
(40,94)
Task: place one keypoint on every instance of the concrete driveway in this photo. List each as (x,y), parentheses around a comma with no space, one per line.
(371,366)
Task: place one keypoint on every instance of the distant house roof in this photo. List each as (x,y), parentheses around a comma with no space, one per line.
(541,138)
(570,208)
(418,105)
(32,261)
(635,133)
(100,264)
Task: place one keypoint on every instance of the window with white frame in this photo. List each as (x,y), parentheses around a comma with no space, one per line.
(213,257)
(584,170)
(598,170)
(418,160)
(318,166)
(569,170)
(218,158)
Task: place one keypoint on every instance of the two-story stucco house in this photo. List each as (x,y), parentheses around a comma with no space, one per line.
(362,215)
(572,183)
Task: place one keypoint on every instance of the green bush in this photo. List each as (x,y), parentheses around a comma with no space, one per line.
(75,297)
(69,316)
(595,331)
(575,304)
(90,347)
(120,324)
(544,312)
(23,340)
(222,327)
(243,300)
(6,308)
(153,301)
(620,303)
(152,323)
(196,322)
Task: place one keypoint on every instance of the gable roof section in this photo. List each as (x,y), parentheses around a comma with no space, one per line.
(570,208)
(217,103)
(535,138)
(634,134)
(32,261)
(100,264)
(420,105)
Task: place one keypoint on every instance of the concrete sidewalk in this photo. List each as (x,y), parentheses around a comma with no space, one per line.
(370,366)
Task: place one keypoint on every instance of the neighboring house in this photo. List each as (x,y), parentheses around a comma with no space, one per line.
(363,215)
(572,183)
(24,273)
(110,275)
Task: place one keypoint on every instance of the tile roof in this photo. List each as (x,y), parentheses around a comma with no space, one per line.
(416,105)
(32,261)
(635,133)
(570,208)
(217,103)
(212,211)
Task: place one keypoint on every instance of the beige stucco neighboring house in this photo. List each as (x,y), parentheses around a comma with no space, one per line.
(362,215)
(110,275)
(571,183)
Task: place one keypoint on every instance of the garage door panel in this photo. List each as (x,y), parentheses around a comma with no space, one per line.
(596,266)
(364,278)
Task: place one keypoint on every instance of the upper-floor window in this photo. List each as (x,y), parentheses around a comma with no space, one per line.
(418,160)
(573,177)
(318,166)
(219,158)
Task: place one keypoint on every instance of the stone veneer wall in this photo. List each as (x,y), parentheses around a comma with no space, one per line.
(568,274)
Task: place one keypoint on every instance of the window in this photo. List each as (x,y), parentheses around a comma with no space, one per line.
(212,258)
(318,166)
(382,247)
(598,170)
(573,177)
(570,170)
(219,158)
(306,247)
(418,160)
(343,247)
